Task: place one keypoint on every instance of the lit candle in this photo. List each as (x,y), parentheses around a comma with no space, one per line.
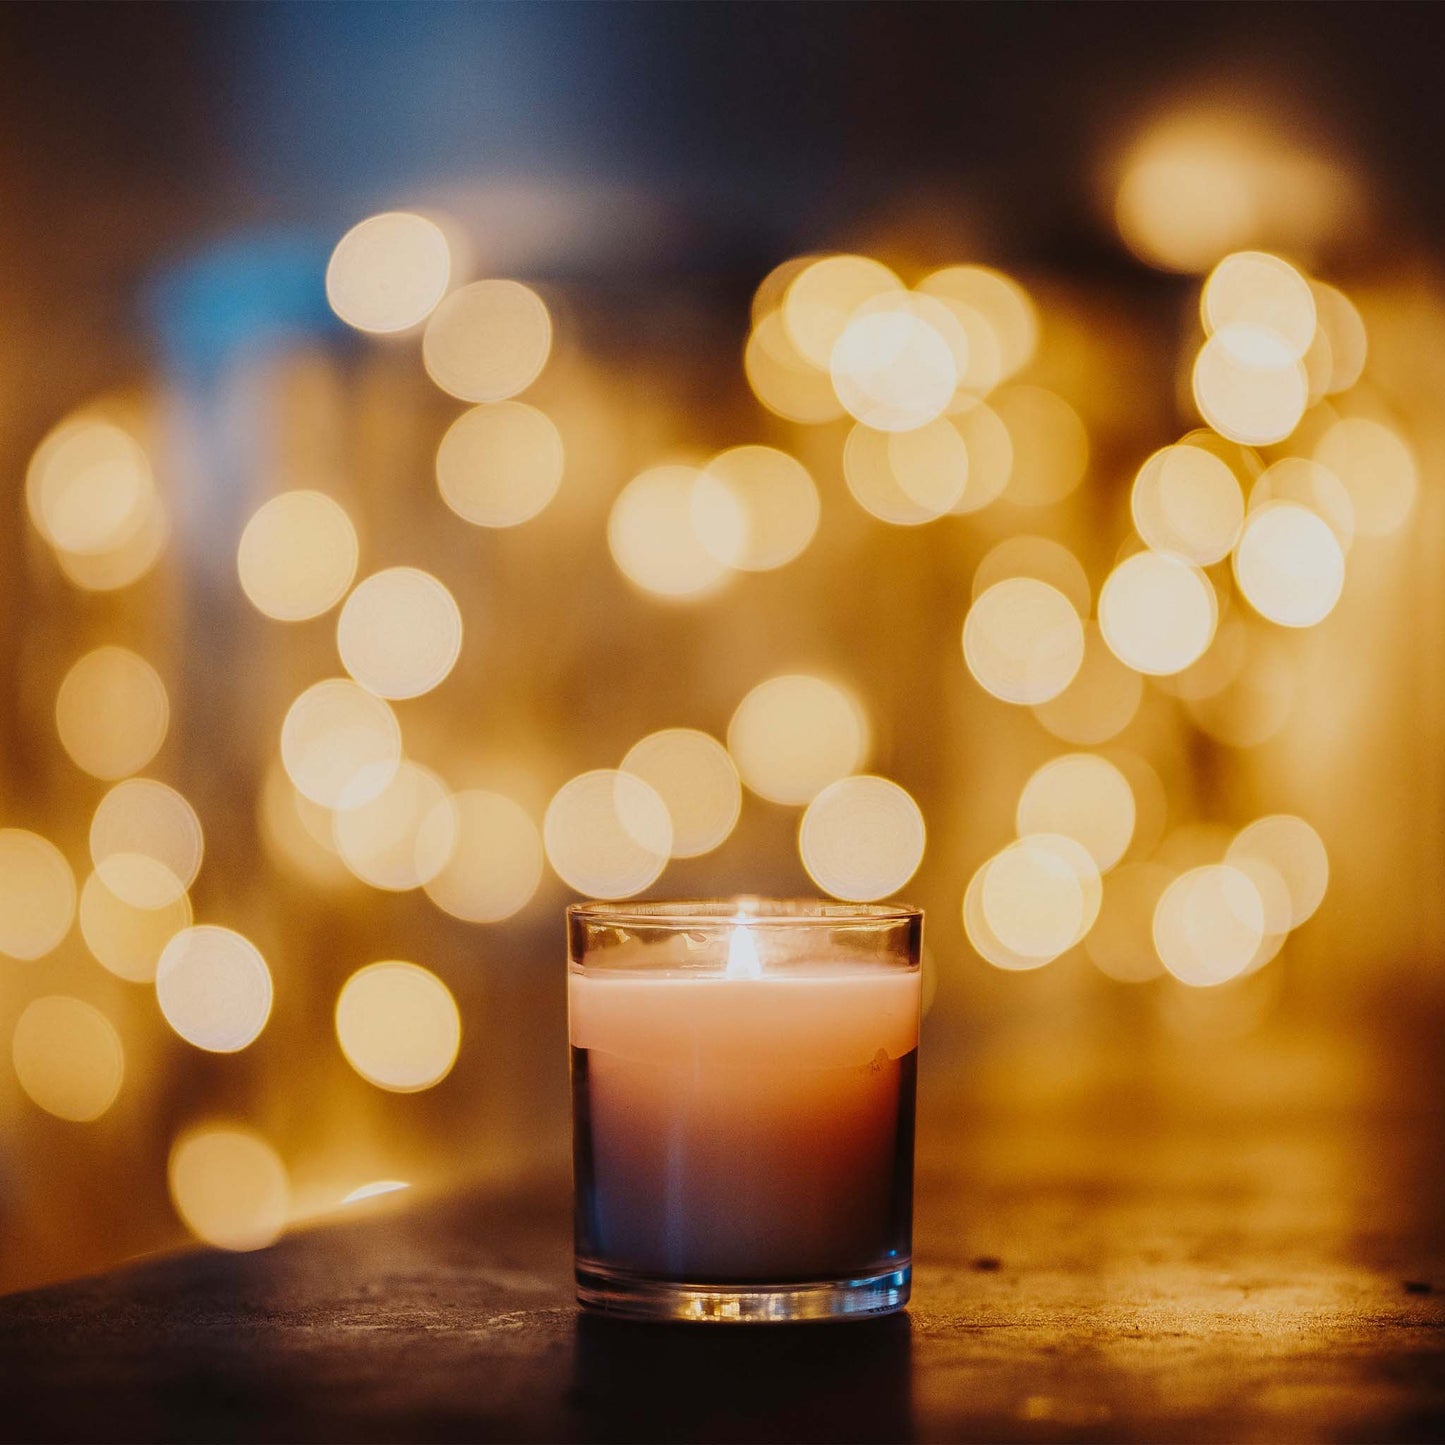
(743,1087)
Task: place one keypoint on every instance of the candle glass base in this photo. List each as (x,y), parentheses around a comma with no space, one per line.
(629,1296)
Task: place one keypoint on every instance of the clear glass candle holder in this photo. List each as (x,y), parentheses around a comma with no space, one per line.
(743,1083)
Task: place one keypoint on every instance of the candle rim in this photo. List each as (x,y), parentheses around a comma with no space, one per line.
(746,910)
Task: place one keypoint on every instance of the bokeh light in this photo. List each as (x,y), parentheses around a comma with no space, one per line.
(500,465)
(341,745)
(755,508)
(112,713)
(607,833)
(1289,565)
(1100,701)
(1248,387)
(1187,500)
(1050,445)
(1023,641)
(784,380)
(906,478)
(398,1026)
(214,988)
(1039,896)
(1254,290)
(146,842)
(1002,303)
(652,532)
(696,778)
(487,341)
(1298,479)
(824,296)
(37,894)
(388,272)
(1084,797)
(124,939)
(229,1187)
(89,486)
(1295,851)
(990,457)
(861,838)
(793,735)
(399,839)
(1038,557)
(1121,942)
(399,633)
(495,860)
(1157,612)
(297,556)
(68,1057)
(1342,330)
(1376,468)
(1208,925)
(126,562)
(893,368)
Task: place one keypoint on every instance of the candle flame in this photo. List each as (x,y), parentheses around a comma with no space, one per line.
(743,961)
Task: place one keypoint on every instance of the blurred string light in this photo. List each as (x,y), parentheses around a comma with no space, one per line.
(861,838)
(146,843)
(607,833)
(399,633)
(403,837)
(1187,500)
(1038,557)
(1084,797)
(823,298)
(895,367)
(112,713)
(388,272)
(297,556)
(653,534)
(698,783)
(500,465)
(1307,482)
(68,1057)
(341,745)
(784,380)
(907,478)
(126,940)
(1157,612)
(494,859)
(794,734)
(1201,182)
(1032,901)
(1289,564)
(1209,924)
(229,1186)
(1023,641)
(37,894)
(1296,853)
(1376,468)
(996,312)
(214,988)
(89,486)
(755,508)
(398,1026)
(487,341)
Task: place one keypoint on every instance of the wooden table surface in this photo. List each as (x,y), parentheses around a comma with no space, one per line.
(1129,1263)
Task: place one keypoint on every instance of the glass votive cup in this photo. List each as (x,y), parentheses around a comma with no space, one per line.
(743,1085)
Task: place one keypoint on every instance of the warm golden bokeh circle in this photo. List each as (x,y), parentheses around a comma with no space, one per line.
(398,1026)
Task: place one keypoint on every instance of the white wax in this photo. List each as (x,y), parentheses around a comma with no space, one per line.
(746,1128)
